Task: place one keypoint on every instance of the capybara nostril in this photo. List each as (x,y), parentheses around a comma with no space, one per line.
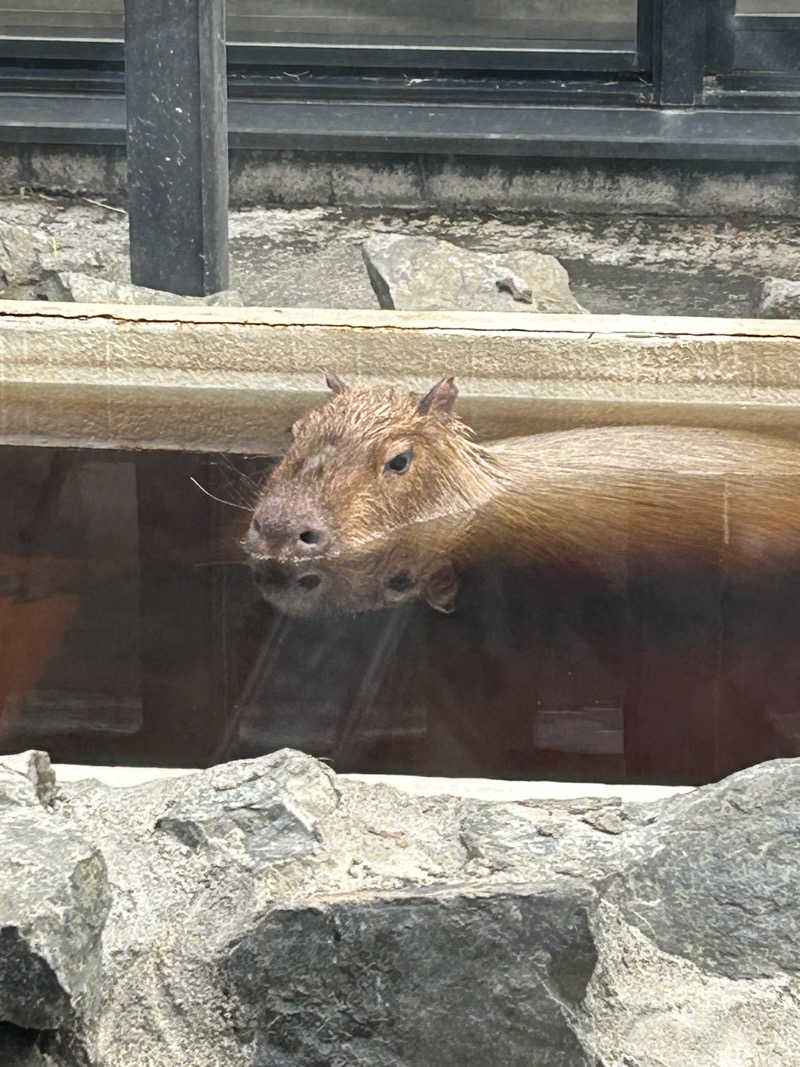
(400,582)
(309,581)
(311,541)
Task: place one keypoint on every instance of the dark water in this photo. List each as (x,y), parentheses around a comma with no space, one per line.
(131,632)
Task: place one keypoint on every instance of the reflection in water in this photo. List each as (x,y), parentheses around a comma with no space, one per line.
(132,631)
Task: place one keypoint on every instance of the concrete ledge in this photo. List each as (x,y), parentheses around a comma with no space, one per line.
(233,379)
(489,789)
(500,183)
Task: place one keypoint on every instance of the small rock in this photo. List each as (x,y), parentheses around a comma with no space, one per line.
(228,298)
(19,255)
(257,811)
(425,274)
(34,767)
(607,821)
(780,299)
(504,835)
(70,285)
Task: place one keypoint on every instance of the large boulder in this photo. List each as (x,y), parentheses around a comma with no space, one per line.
(426,274)
(715,878)
(54,898)
(457,977)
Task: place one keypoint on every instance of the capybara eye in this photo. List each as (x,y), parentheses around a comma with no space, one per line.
(400,463)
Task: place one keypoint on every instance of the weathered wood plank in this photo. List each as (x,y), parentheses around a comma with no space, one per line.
(234,378)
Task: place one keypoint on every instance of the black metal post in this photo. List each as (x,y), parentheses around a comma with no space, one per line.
(177,142)
(720,37)
(679,51)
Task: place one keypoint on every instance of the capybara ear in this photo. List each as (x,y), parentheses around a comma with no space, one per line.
(334,382)
(440,399)
(441,589)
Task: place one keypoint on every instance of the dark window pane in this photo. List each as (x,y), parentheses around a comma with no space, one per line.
(131,632)
(768,7)
(101,19)
(509,23)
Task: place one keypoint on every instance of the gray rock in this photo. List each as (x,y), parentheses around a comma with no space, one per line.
(715,878)
(451,977)
(18,1048)
(31,1048)
(423,273)
(780,299)
(89,289)
(34,767)
(256,817)
(224,298)
(650,1009)
(19,260)
(54,899)
(15,789)
(269,912)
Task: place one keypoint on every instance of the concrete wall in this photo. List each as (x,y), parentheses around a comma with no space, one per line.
(438,182)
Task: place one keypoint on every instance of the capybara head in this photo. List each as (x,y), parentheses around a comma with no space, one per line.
(368,465)
(368,462)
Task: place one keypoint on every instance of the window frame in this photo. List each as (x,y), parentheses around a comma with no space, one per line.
(71,91)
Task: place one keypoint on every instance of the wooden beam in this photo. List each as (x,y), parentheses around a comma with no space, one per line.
(233,379)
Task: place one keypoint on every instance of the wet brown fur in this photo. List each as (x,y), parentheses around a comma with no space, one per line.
(591,500)
(334,468)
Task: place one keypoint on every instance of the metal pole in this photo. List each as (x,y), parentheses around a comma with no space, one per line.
(177,140)
(680,27)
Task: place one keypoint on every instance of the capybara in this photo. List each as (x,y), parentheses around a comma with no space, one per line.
(384,496)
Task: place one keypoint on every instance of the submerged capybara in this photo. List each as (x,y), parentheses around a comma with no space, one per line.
(383,496)
(622,602)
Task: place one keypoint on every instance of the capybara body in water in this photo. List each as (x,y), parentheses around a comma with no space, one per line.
(383,496)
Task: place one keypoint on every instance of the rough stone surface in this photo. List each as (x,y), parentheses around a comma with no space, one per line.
(250,817)
(715,879)
(651,1009)
(423,273)
(86,289)
(691,188)
(54,898)
(311,257)
(270,912)
(450,977)
(27,777)
(19,1048)
(780,299)
(19,259)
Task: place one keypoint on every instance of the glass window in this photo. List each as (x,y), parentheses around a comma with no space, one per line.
(768,7)
(98,19)
(508,23)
